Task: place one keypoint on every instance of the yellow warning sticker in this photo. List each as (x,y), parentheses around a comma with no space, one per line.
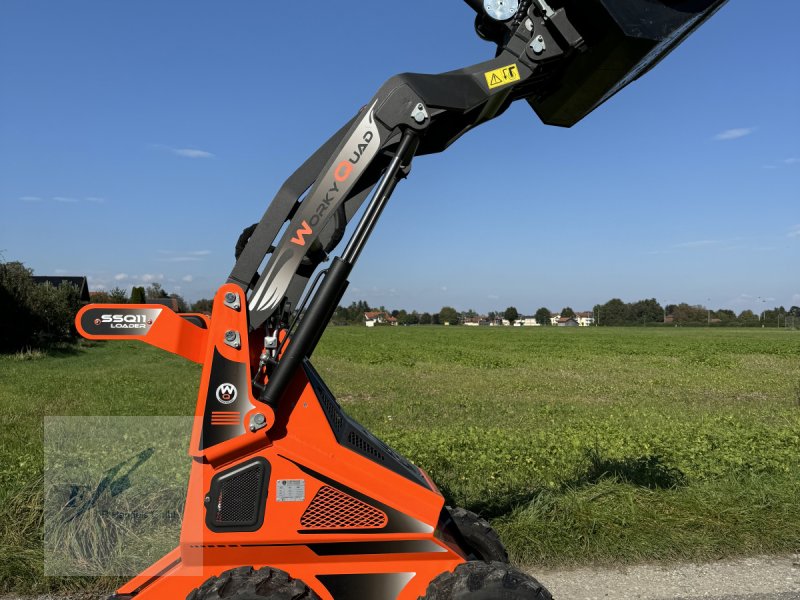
(501,77)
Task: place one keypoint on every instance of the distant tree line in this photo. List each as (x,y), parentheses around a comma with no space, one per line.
(614,313)
(354,315)
(34,315)
(140,295)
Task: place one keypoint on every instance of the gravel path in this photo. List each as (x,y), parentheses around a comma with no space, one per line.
(763,578)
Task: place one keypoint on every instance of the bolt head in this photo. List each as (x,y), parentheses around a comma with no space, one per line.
(230,297)
(230,336)
(260,419)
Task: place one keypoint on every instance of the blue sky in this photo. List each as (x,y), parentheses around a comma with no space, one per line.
(137,139)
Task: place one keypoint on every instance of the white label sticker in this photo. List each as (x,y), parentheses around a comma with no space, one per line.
(291,490)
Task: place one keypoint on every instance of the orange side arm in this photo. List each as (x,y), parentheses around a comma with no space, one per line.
(155,325)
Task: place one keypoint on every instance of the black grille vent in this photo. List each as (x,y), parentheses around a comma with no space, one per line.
(237,497)
(365,447)
(331,409)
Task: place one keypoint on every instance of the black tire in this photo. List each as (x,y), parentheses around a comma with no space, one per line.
(246,583)
(485,581)
(481,537)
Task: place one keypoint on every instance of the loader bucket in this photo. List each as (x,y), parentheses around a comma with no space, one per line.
(624,39)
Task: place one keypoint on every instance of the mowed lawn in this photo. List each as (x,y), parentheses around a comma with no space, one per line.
(581,445)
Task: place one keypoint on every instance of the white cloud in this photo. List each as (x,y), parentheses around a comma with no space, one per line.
(180,257)
(187,279)
(795,232)
(734,134)
(30,199)
(792,161)
(65,199)
(95,199)
(150,278)
(121,277)
(191,153)
(493,297)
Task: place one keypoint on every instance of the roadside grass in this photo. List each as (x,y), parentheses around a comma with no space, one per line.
(583,446)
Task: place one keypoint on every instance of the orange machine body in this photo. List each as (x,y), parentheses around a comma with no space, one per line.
(306,490)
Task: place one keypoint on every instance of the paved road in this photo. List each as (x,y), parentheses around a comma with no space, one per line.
(765,578)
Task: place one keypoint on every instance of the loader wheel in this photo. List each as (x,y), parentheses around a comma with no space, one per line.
(246,583)
(483,540)
(485,581)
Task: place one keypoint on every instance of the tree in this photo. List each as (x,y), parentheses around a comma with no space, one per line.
(55,309)
(542,317)
(613,313)
(204,305)
(118,296)
(567,313)
(448,314)
(425,318)
(511,314)
(138,295)
(748,318)
(100,297)
(16,287)
(182,307)
(727,316)
(596,313)
(155,291)
(34,315)
(646,311)
(686,314)
(794,311)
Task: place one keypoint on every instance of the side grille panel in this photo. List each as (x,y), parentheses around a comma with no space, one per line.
(333,509)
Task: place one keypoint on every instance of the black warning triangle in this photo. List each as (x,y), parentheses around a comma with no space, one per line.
(495,80)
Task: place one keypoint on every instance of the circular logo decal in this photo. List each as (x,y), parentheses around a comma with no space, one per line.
(97,321)
(226,393)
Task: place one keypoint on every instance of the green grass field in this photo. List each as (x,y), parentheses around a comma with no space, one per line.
(582,446)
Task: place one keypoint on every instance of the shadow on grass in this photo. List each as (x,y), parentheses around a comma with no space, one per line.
(644,471)
(647,471)
(497,505)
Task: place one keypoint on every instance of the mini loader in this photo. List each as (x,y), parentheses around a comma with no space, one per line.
(288,496)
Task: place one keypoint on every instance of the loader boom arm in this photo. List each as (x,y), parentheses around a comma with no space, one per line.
(564,61)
